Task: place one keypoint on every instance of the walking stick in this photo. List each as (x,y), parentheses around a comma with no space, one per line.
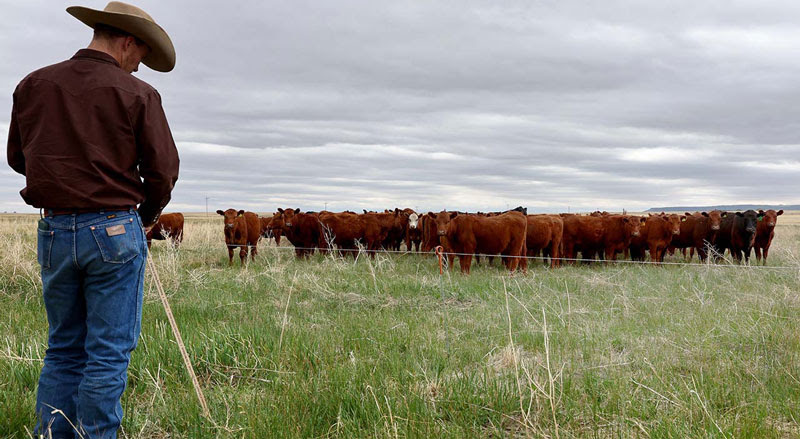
(178,338)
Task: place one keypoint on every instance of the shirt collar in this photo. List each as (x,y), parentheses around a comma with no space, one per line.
(96,55)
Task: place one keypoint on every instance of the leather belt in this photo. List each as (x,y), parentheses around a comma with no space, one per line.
(53,212)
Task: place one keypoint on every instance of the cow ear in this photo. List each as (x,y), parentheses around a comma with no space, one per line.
(296,211)
(723,214)
(453,215)
(739,214)
(625,219)
(241,212)
(704,214)
(683,218)
(760,211)
(221,212)
(643,219)
(365,210)
(780,212)
(688,214)
(280,210)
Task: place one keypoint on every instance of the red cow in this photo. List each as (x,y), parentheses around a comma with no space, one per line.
(584,234)
(437,224)
(765,231)
(397,233)
(269,228)
(503,234)
(544,234)
(699,232)
(303,230)
(169,225)
(242,229)
(619,231)
(343,230)
(381,229)
(430,238)
(655,236)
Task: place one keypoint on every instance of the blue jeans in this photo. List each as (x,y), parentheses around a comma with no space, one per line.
(92,277)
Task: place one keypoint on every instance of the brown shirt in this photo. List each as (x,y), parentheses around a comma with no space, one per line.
(86,134)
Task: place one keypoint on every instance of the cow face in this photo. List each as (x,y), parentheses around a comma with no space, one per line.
(441,220)
(770,217)
(714,219)
(674,223)
(413,221)
(749,219)
(633,226)
(230,216)
(286,216)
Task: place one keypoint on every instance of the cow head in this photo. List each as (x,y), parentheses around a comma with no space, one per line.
(633,225)
(714,218)
(674,223)
(286,216)
(770,217)
(413,221)
(230,216)
(441,220)
(750,220)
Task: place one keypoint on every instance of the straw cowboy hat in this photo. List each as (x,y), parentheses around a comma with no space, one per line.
(136,22)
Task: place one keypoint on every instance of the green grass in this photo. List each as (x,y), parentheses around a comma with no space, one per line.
(387,348)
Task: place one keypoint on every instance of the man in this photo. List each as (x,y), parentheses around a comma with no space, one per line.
(93,143)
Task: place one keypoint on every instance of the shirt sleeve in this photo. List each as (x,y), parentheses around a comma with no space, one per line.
(15,157)
(158,157)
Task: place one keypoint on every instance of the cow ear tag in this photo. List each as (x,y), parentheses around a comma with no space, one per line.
(760,218)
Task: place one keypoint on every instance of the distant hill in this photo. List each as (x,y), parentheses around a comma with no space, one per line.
(732,207)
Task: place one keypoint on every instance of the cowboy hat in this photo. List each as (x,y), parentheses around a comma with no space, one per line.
(130,19)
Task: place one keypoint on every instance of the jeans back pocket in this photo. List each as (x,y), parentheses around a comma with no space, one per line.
(118,241)
(44,247)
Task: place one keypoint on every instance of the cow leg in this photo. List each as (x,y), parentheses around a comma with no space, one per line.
(465,261)
(655,253)
(230,256)
(451,259)
(243,254)
(253,253)
(757,251)
(766,251)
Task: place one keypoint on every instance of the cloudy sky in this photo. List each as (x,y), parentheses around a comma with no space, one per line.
(472,105)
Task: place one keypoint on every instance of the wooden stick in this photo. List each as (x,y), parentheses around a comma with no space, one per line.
(178,338)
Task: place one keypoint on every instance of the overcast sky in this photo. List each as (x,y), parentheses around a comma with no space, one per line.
(470,105)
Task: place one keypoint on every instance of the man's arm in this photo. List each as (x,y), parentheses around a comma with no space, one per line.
(15,157)
(158,158)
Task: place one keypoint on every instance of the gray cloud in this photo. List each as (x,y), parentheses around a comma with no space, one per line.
(463,105)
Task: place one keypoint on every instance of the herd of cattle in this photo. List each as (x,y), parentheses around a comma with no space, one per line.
(511,235)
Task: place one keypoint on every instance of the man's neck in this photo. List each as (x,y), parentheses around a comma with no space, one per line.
(102,46)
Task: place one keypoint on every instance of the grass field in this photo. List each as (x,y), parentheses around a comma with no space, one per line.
(387,348)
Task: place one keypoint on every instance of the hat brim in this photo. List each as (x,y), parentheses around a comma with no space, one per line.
(162,53)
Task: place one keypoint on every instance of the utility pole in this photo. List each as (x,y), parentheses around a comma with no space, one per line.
(326,205)
(207,198)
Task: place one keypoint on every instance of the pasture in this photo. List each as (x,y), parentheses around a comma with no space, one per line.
(387,348)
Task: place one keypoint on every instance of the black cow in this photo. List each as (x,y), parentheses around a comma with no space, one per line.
(737,233)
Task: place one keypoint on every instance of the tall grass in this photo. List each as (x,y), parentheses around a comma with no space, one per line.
(386,348)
